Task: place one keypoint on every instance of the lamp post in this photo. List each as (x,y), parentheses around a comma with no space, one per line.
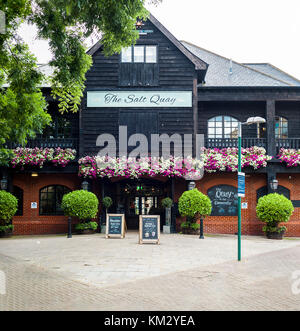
(250,120)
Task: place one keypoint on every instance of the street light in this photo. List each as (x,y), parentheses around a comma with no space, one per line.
(250,120)
(85,185)
(3,183)
(274,184)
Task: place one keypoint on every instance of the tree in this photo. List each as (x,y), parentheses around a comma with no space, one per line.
(273,209)
(65,24)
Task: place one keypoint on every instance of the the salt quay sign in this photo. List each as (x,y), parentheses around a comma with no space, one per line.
(139,99)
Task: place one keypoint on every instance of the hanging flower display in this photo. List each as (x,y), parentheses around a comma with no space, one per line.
(226,159)
(38,156)
(93,167)
(289,156)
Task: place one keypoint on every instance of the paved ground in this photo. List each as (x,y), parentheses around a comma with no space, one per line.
(183,273)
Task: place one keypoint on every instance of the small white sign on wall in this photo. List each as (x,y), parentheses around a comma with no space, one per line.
(33,205)
(245,205)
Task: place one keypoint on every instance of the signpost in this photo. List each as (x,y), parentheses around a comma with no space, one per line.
(115,226)
(149,229)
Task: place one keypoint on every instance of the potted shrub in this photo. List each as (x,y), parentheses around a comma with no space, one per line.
(8,208)
(194,205)
(107,203)
(84,205)
(274,209)
(167,203)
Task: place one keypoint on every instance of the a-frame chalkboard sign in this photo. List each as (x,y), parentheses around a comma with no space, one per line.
(115,226)
(149,229)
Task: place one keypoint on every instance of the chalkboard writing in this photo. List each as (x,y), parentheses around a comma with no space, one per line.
(224,200)
(149,229)
(115,225)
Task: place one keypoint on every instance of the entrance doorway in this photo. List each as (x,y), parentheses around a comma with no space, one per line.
(139,197)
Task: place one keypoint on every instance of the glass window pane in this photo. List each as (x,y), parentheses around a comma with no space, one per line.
(219,131)
(219,124)
(138,54)
(126,55)
(219,119)
(151,54)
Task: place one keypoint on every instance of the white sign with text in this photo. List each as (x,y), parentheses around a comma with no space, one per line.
(139,99)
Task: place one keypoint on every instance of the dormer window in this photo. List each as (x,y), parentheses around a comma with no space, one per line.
(139,54)
(139,66)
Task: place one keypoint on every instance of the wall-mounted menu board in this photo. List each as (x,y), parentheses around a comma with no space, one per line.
(115,225)
(224,200)
(149,229)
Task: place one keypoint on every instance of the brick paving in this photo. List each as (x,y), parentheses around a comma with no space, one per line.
(259,282)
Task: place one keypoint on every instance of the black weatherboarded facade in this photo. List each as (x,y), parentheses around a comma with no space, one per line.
(163,86)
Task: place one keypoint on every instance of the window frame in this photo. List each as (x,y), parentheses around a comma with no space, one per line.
(54,203)
(18,192)
(223,127)
(281,120)
(144,54)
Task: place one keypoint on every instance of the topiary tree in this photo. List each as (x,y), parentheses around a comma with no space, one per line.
(194,204)
(167,202)
(107,202)
(81,204)
(8,208)
(273,209)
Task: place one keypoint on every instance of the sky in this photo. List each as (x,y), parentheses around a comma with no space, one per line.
(246,31)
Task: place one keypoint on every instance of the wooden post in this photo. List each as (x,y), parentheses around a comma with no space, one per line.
(270,118)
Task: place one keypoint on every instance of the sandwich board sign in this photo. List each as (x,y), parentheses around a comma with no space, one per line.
(149,229)
(115,226)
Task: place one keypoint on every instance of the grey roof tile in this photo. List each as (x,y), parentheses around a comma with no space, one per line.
(271,70)
(218,73)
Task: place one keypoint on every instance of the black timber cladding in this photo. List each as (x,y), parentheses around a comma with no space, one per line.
(176,72)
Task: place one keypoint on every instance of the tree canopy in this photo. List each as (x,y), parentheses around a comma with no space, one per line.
(66,24)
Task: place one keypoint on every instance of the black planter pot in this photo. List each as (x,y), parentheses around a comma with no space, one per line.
(190,231)
(6,234)
(87,231)
(275,235)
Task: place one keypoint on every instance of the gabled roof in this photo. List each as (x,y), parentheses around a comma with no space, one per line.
(199,63)
(225,72)
(271,70)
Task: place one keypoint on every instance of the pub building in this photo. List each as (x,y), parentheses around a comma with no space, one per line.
(164,86)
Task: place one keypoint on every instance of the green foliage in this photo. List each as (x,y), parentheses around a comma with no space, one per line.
(167,202)
(194,204)
(190,225)
(66,24)
(86,226)
(107,202)
(6,228)
(8,206)
(273,209)
(81,204)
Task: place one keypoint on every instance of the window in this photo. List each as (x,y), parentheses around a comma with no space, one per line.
(60,127)
(281,128)
(18,193)
(126,55)
(51,198)
(223,127)
(139,54)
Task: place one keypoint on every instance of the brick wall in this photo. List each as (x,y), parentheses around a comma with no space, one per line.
(31,222)
(250,223)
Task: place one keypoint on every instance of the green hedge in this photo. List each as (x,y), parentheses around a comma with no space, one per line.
(81,204)
(273,209)
(86,226)
(8,206)
(194,203)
